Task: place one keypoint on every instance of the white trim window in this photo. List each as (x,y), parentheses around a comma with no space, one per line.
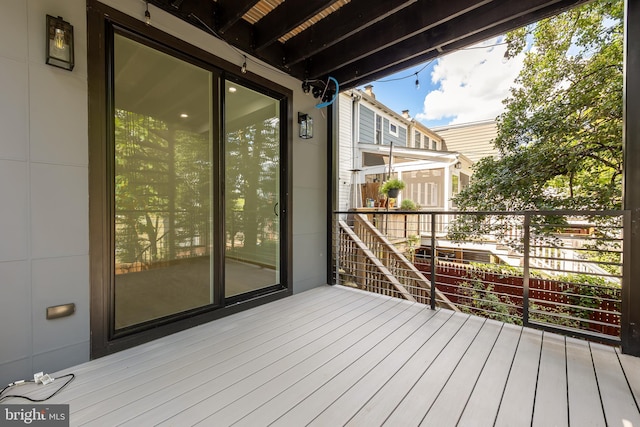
(393,129)
(378,130)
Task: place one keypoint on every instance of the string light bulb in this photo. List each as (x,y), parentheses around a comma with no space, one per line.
(417,82)
(244,66)
(147,15)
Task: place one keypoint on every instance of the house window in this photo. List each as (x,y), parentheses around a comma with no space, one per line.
(434,144)
(416,139)
(431,194)
(464,181)
(378,129)
(455,184)
(393,129)
(425,142)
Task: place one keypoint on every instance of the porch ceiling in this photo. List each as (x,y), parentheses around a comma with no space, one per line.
(357,41)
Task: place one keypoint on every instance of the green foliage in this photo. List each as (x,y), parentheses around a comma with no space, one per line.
(393,183)
(408,205)
(482,300)
(560,137)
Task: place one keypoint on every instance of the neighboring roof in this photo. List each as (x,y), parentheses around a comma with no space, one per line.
(472,139)
(382,107)
(356,41)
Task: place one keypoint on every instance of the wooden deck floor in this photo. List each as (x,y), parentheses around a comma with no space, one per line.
(335,356)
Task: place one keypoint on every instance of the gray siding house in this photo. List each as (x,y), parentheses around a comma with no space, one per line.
(382,142)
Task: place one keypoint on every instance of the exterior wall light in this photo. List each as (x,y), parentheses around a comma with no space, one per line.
(59,43)
(306,126)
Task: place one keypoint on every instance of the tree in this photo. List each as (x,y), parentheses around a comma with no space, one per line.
(560,137)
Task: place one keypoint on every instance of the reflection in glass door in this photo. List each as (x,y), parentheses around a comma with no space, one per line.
(162,185)
(252,181)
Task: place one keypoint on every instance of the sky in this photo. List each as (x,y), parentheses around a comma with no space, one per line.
(464,86)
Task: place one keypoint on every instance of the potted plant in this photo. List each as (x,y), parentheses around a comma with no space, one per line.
(392,187)
(409,205)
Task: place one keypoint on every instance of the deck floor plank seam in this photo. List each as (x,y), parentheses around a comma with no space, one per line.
(631,367)
(551,404)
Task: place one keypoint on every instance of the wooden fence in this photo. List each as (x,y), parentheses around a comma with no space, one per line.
(596,308)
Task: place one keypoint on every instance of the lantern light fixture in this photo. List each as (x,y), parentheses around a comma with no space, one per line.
(59,46)
(306,126)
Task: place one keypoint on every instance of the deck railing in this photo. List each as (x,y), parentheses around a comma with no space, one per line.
(558,270)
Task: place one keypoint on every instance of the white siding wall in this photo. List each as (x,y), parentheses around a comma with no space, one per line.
(345,150)
(473,139)
(44,232)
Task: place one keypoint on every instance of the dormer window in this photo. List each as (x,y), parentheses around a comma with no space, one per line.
(393,129)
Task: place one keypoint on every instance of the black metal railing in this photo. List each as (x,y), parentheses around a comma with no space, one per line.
(555,270)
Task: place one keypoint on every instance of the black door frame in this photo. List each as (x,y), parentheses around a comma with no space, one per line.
(101,20)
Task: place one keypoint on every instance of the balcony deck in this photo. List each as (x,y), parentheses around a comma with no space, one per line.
(339,356)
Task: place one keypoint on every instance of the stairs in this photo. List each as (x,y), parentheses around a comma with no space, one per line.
(373,263)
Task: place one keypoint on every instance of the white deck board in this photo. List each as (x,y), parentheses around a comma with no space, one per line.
(585,408)
(551,406)
(425,391)
(482,406)
(321,365)
(516,407)
(631,366)
(336,356)
(448,407)
(620,408)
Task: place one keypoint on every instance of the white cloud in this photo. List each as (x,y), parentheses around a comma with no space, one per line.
(471,84)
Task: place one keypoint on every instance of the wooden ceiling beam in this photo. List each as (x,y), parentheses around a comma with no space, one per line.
(410,22)
(240,37)
(351,18)
(285,18)
(229,12)
(444,41)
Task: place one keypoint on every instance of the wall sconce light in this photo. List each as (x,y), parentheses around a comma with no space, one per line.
(458,165)
(59,43)
(306,126)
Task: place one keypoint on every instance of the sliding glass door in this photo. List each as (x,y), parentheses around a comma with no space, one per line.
(163,182)
(196,200)
(252,195)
